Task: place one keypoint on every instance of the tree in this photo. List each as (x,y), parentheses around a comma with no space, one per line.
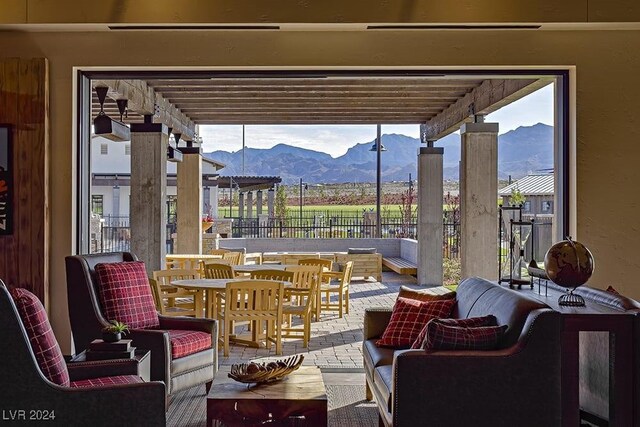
(281,203)
(517,199)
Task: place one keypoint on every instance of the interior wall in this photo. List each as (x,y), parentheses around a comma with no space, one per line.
(24,103)
(607,91)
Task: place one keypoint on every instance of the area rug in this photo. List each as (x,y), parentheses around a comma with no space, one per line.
(347,408)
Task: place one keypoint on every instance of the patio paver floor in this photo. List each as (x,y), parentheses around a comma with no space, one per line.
(336,343)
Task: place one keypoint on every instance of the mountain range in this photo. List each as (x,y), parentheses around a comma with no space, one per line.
(521,151)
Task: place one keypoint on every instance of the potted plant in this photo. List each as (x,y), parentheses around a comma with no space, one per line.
(207,222)
(114,331)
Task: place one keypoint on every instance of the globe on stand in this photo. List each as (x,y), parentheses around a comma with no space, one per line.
(569,264)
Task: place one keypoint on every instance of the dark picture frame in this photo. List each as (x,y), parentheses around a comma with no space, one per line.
(6,179)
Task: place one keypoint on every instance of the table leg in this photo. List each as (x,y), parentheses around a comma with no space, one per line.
(621,393)
(198,300)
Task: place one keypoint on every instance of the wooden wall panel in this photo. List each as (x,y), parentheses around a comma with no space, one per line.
(24,97)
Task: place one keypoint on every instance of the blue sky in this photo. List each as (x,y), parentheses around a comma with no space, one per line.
(335,140)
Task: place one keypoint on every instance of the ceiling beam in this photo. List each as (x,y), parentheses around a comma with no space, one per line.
(144,100)
(486,98)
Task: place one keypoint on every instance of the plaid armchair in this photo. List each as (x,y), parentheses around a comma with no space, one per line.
(114,286)
(37,384)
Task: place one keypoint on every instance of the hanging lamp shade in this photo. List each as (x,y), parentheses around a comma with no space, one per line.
(374,147)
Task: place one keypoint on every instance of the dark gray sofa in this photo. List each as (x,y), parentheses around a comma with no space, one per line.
(517,384)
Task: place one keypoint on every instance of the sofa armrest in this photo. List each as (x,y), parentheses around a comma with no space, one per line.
(375,321)
(157,342)
(102,368)
(485,385)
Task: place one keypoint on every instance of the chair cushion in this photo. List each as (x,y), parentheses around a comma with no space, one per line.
(472,322)
(125,294)
(429,294)
(43,341)
(361,250)
(107,381)
(409,317)
(184,343)
(442,336)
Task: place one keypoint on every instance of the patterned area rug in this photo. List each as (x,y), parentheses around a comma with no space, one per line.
(347,408)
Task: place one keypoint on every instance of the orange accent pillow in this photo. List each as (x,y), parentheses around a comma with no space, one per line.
(424,294)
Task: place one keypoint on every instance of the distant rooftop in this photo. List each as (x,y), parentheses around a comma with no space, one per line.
(531,185)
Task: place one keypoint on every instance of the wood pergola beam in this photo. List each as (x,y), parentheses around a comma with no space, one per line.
(145,101)
(484,99)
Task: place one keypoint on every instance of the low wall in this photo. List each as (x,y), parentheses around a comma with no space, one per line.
(409,250)
(387,247)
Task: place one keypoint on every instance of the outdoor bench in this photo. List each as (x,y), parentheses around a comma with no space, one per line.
(400,265)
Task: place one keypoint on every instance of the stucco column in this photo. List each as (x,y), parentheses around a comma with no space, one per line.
(241,205)
(250,204)
(430,216)
(189,236)
(148,193)
(270,199)
(258,202)
(479,200)
(115,204)
(213,200)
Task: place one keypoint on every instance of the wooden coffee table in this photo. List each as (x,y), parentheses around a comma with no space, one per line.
(300,394)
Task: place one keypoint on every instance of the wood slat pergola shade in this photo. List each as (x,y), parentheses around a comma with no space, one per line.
(328,99)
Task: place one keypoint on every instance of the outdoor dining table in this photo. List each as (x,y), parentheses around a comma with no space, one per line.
(209,288)
(250,268)
(192,259)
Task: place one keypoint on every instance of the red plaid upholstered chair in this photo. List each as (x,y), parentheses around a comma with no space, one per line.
(114,286)
(38,385)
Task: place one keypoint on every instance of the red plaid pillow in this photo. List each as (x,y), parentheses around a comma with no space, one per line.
(409,317)
(125,294)
(43,341)
(441,336)
(471,322)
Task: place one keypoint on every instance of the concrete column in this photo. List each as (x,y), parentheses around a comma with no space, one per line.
(250,204)
(189,237)
(479,200)
(270,202)
(430,216)
(148,193)
(213,200)
(241,205)
(258,203)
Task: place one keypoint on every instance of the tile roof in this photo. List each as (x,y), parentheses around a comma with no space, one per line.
(531,185)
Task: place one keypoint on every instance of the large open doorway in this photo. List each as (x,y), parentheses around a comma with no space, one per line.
(436,102)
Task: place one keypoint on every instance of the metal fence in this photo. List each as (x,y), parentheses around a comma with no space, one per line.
(116,236)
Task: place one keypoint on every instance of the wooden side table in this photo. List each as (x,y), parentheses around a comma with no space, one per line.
(301,394)
(143,357)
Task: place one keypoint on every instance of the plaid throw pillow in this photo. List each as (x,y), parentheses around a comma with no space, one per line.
(471,322)
(43,341)
(441,336)
(409,317)
(125,294)
(433,294)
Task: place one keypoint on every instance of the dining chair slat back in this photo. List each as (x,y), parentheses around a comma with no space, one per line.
(218,270)
(175,301)
(269,274)
(234,258)
(254,301)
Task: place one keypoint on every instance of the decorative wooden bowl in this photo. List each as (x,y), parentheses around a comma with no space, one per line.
(262,373)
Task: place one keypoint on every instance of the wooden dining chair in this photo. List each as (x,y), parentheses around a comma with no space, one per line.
(234,258)
(176,297)
(162,305)
(340,287)
(257,301)
(301,301)
(272,274)
(218,270)
(218,252)
(325,279)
